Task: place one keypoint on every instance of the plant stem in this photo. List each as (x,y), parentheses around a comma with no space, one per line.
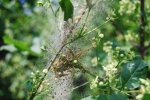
(133,91)
(84,22)
(141,48)
(48,68)
(80,85)
(54,59)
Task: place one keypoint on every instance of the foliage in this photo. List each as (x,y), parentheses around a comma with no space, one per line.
(67,8)
(108,50)
(19,34)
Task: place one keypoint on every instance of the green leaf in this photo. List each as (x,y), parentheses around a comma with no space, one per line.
(103,97)
(18,44)
(131,72)
(146,96)
(9,48)
(29,85)
(113,96)
(67,8)
(90,98)
(118,96)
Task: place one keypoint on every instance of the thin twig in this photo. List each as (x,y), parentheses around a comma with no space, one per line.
(75,24)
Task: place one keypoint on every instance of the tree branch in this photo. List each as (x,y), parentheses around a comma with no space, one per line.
(142,33)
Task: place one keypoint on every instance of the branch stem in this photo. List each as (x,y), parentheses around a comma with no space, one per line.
(141,47)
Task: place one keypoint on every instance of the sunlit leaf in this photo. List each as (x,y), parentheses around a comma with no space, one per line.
(9,48)
(18,44)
